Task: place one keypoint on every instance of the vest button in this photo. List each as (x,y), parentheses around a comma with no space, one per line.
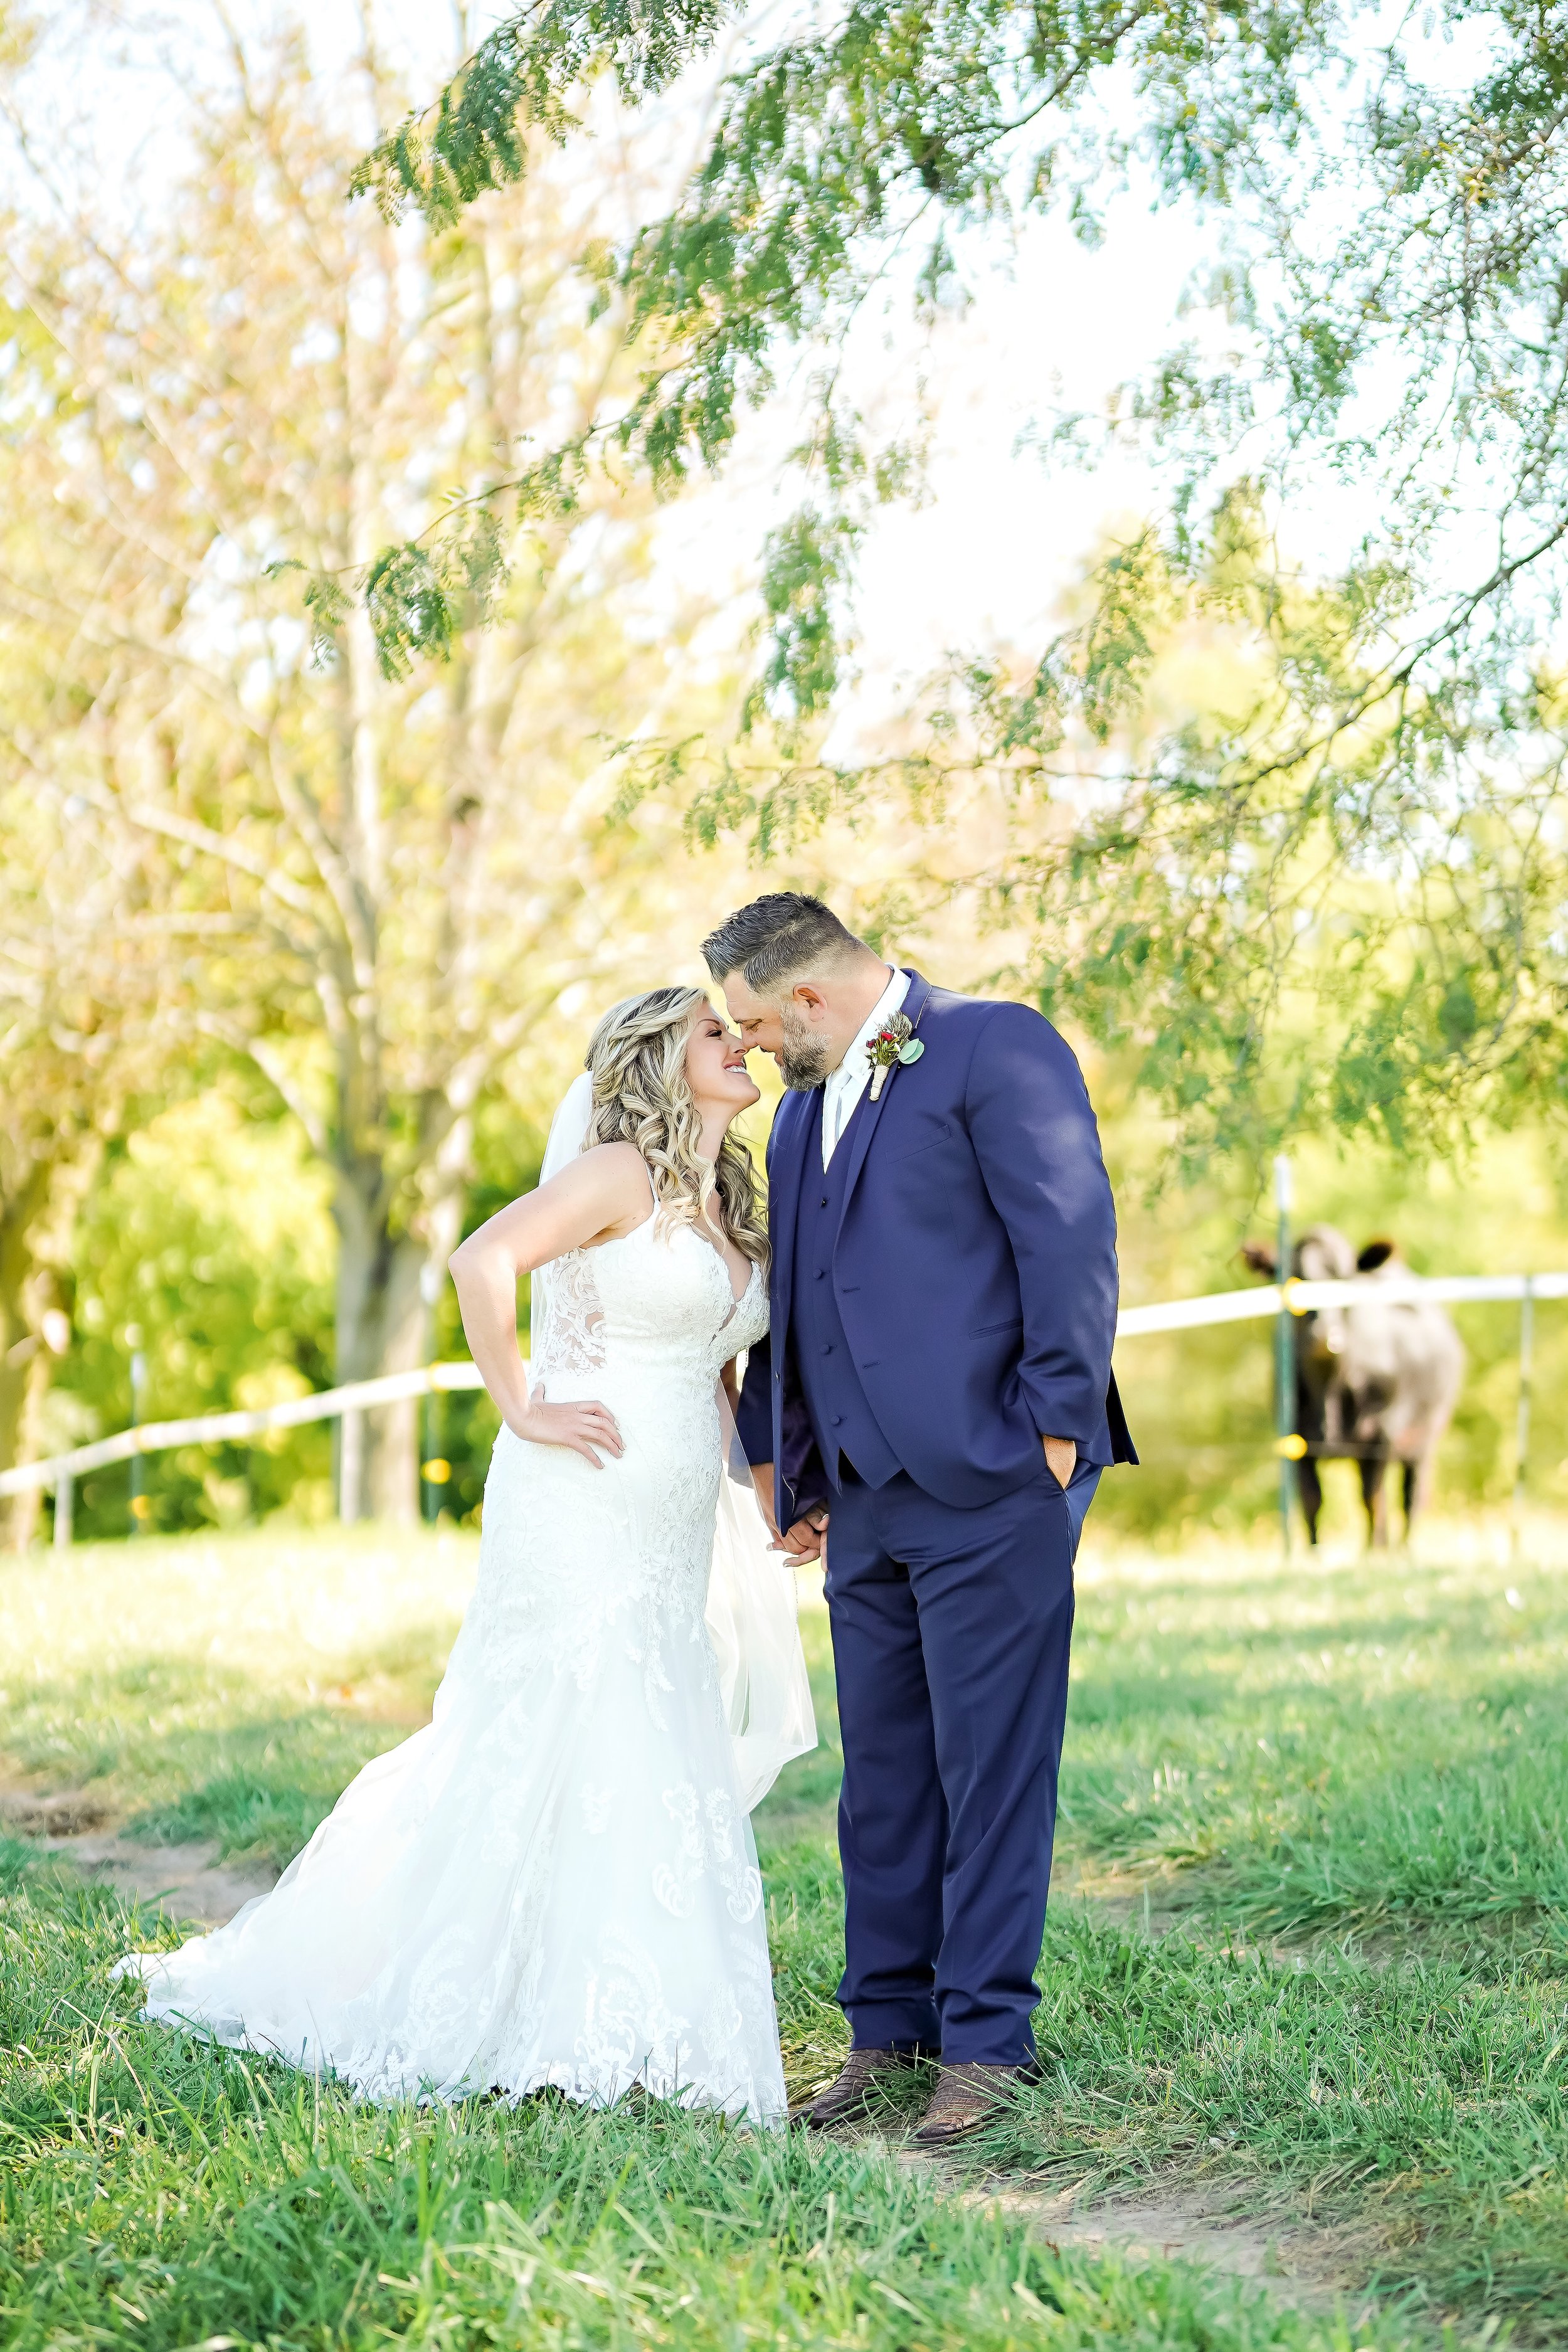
(820,1272)
(827,1347)
(825,1200)
(836,1419)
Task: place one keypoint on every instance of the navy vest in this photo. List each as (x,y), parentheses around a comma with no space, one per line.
(841,1419)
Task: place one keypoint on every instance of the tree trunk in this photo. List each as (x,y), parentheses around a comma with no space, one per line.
(387,1287)
(382,1322)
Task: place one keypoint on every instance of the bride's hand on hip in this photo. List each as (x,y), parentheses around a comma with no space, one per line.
(580,1427)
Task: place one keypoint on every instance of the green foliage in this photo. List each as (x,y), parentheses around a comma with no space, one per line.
(209,1236)
(1314,902)
(420,595)
(1293,925)
(209,1233)
(805,567)
(1378,822)
(370,888)
(473,139)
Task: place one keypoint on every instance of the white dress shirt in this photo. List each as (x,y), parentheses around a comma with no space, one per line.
(849,1081)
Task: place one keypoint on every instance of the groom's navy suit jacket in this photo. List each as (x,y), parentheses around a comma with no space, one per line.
(971,1241)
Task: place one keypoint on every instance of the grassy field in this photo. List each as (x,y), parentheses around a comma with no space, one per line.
(1308,1956)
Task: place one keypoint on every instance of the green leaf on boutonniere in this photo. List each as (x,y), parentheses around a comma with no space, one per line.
(888,1048)
(912,1051)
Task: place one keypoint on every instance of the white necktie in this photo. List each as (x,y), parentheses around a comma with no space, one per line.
(832,1107)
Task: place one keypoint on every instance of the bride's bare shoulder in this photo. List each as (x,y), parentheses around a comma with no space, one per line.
(601,1194)
(609,1183)
(614,1176)
(611,1164)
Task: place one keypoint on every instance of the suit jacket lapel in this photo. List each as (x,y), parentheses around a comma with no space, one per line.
(864,1128)
(792,1132)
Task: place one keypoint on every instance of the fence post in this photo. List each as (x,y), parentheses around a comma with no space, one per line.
(65,1510)
(350,1466)
(1521,1434)
(1284,1350)
(139,1504)
(431,1280)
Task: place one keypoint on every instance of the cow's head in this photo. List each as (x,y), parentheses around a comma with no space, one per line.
(1372,1364)
(1322,1254)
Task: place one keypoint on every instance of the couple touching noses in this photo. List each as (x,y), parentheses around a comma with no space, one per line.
(554,1884)
(935,1389)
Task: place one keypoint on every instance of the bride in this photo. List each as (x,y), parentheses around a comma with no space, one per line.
(556,1882)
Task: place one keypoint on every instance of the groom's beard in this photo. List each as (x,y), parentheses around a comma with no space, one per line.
(805,1061)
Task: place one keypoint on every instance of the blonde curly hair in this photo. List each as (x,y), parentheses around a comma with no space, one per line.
(636,1059)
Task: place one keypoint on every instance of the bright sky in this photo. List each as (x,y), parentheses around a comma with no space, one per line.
(986,558)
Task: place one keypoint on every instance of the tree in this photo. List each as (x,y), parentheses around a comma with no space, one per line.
(83,969)
(387,876)
(91,975)
(48,1138)
(1389,199)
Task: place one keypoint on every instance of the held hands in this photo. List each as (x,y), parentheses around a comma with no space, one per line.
(805,1539)
(580,1427)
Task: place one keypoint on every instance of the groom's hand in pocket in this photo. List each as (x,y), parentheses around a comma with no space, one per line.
(1061,1458)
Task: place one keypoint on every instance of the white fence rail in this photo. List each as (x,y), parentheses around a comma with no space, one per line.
(1302,1297)
(1259,1301)
(212,1428)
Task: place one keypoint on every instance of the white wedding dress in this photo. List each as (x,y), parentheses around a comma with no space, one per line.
(556,1882)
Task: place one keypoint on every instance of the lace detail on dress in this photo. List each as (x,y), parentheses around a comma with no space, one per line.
(571,1333)
(555,1880)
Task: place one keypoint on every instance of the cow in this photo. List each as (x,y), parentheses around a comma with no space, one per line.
(1376,1382)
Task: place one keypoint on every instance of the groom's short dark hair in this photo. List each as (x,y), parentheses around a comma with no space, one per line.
(778,938)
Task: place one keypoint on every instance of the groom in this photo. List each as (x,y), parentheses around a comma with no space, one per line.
(938,1386)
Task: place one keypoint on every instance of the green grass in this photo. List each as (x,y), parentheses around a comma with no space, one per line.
(225,1686)
(1346,1744)
(157,2194)
(1308,1951)
(1428,2097)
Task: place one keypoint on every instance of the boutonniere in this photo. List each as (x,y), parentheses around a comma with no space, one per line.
(894,1042)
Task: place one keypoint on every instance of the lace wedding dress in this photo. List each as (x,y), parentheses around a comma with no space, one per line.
(556,1882)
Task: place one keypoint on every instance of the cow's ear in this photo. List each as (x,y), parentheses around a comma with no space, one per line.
(1261,1256)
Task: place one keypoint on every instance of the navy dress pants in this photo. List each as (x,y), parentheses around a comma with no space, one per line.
(950,1634)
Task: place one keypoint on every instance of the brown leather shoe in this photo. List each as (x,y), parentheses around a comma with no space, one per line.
(967,2096)
(851,2093)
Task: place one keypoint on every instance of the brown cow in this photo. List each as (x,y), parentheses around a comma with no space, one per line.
(1375,1383)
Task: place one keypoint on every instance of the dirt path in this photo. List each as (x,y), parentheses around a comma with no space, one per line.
(189,1881)
(1300,2262)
